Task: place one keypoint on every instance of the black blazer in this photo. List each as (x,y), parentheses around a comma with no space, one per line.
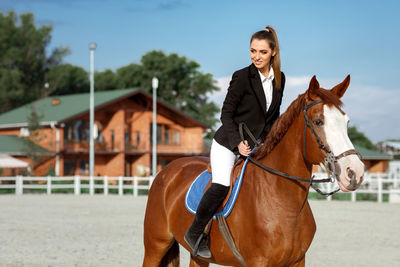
(245,102)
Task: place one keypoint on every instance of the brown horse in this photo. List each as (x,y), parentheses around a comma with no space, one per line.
(271,223)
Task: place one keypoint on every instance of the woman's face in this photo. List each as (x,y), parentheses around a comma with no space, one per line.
(261,53)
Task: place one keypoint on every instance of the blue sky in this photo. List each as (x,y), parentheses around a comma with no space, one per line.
(327,38)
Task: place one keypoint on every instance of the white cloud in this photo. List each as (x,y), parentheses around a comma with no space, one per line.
(374,110)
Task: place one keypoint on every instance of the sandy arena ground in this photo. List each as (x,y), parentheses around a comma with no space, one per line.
(68,230)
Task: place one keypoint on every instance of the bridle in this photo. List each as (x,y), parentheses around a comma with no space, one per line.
(329,161)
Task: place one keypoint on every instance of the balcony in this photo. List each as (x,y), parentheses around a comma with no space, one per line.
(99,147)
(133,147)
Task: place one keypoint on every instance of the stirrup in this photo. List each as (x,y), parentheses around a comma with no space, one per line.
(197,244)
(196,247)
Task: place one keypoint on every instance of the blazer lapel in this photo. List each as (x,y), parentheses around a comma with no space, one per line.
(256,86)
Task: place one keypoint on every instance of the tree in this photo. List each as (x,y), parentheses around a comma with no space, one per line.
(358,138)
(66,79)
(105,80)
(181,84)
(23,59)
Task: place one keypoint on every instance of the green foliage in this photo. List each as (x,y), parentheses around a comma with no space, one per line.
(23,59)
(66,79)
(359,138)
(106,80)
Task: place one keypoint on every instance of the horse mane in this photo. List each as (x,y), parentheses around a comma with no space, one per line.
(282,124)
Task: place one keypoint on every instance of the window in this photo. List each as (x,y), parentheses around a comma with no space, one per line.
(77,131)
(159,130)
(68,131)
(137,138)
(159,126)
(69,167)
(176,136)
(165,135)
(83,167)
(112,139)
(127,138)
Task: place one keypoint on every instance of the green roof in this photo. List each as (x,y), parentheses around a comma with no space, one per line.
(368,154)
(11,144)
(69,106)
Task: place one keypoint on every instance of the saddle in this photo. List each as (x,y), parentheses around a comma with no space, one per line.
(203,181)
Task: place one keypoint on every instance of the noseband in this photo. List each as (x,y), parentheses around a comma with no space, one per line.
(329,161)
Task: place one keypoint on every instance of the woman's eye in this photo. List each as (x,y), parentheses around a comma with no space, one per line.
(318,122)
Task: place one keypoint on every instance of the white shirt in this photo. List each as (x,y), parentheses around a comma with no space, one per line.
(267,86)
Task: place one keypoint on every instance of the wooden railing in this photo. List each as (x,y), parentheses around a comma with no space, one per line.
(76,183)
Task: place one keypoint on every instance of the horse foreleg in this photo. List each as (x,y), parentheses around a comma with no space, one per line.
(196,262)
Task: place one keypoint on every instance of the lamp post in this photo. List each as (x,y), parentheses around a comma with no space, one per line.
(154,154)
(92,47)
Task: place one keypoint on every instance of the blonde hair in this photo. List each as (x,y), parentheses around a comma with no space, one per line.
(269,34)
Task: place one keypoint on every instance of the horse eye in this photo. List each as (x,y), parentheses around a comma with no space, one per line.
(318,122)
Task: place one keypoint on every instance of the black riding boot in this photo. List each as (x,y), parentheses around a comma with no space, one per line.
(208,206)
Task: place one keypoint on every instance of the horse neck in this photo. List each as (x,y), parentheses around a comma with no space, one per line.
(287,156)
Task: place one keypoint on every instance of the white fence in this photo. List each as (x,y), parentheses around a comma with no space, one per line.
(119,184)
(375,184)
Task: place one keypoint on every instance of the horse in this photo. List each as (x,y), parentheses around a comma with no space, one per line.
(271,223)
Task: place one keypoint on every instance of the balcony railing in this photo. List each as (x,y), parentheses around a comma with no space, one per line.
(136,147)
(83,146)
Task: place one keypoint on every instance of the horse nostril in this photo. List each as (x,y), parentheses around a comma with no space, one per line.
(351,174)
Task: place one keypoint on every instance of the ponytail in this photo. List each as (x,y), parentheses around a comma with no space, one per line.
(269,34)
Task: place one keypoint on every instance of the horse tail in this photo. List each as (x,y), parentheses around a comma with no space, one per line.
(171,258)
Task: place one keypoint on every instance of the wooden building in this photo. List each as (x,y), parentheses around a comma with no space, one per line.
(123,125)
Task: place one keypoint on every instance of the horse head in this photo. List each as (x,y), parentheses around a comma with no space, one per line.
(326,135)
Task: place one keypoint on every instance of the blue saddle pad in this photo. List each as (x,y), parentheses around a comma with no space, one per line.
(196,191)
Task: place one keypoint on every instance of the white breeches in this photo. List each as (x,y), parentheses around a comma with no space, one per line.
(222,160)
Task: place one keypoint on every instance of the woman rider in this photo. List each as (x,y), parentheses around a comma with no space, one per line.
(254,97)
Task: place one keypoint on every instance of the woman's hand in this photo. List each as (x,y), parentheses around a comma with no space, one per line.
(244,148)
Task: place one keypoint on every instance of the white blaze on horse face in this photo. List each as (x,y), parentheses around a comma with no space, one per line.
(335,128)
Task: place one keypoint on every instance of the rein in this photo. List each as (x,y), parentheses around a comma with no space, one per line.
(329,161)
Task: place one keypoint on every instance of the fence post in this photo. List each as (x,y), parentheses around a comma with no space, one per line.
(48,185)
(77,183)
(379,180)
(135,186)
(353,196)
(105,184)
(91,185)
(151,181)
(329,198)
(19,185)
(120,183)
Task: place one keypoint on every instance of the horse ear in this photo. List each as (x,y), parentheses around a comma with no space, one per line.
(341,88)
(312,88)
